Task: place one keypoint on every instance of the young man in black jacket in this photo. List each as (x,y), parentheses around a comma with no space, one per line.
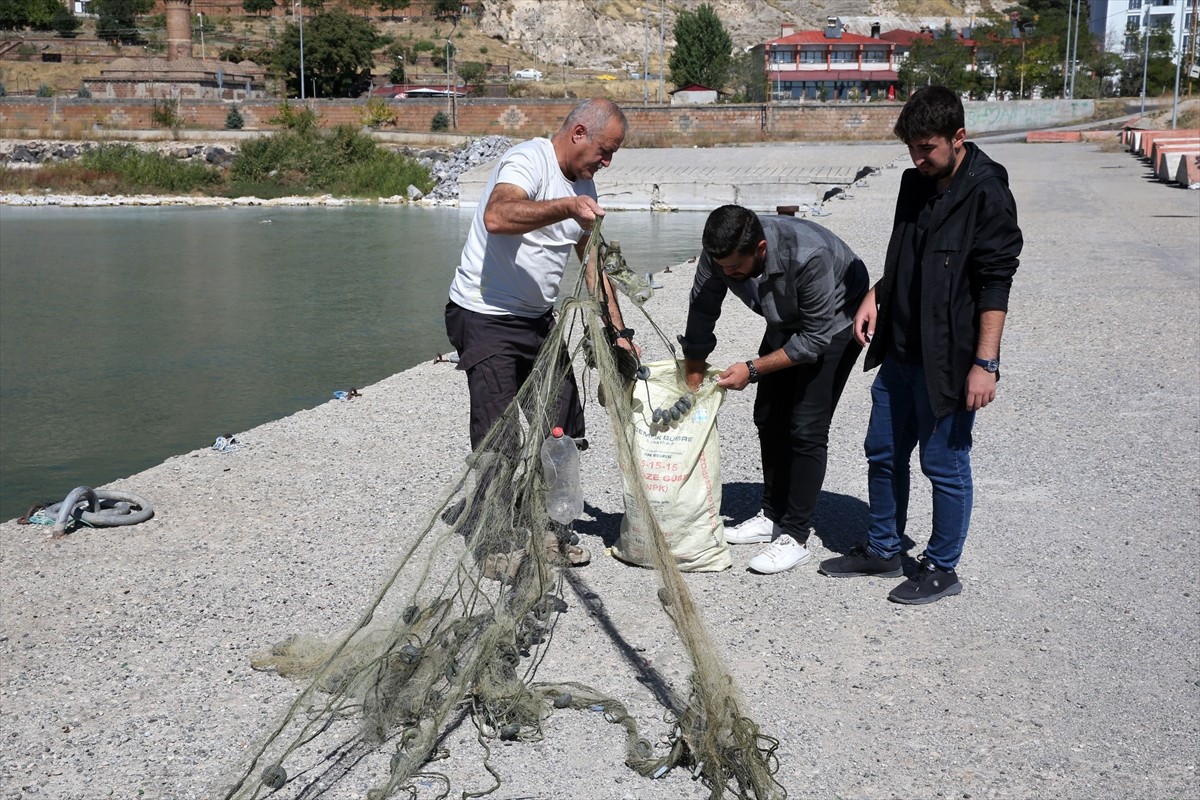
(933,324)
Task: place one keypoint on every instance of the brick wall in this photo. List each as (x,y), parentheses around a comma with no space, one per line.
(649,125)
(525,118)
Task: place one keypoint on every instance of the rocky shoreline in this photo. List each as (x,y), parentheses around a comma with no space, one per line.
(444,166)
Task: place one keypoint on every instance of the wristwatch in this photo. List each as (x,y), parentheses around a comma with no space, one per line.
(754,376)
(624,333)
(989,364)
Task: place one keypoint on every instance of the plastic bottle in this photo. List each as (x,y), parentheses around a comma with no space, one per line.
(560,465)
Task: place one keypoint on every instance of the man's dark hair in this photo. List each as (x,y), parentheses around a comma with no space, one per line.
(931,111)
(731,229)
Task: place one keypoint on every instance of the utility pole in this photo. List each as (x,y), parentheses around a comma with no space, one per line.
(646,56)
(1192,48)
(1067,54)
(1175,104)
(1145,57)
(200,14)
(1074,49)
(662,22)
(300,3)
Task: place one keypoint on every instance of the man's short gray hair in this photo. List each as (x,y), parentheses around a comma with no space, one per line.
(595,114)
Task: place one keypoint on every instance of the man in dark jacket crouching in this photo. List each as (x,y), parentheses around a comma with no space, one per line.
(933,325)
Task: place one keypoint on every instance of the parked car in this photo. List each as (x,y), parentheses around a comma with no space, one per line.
(527,74)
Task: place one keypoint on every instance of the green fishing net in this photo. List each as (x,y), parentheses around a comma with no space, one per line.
(463,622)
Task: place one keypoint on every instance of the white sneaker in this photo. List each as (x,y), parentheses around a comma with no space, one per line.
(756,530)
(780,556)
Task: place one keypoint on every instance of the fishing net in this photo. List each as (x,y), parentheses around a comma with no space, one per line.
(463,622)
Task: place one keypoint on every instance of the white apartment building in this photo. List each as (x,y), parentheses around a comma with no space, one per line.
(1119,23)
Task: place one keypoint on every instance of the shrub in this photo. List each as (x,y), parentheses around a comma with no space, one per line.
(84,92)
(345,161)
(165,114)
(377,114)
(233,120)
(440,122)
(135,170)
(45,91)
(302,121)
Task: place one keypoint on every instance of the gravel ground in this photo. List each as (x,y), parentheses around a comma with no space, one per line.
(1067,668)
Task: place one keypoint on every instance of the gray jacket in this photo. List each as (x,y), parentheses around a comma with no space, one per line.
(809,291)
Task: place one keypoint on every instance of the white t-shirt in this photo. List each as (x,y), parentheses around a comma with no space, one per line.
(520,274)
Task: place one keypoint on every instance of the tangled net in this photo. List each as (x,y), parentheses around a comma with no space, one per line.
(429,649)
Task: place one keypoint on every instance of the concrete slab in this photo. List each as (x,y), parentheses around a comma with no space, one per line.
(1053,137)
(1167,163)
(1187,174)
(1161,145)
(1148,138)
(760,177)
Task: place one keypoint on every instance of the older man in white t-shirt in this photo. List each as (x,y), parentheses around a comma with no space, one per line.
(540,202)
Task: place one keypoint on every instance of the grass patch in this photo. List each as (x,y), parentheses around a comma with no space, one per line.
(116,169)
(344,162)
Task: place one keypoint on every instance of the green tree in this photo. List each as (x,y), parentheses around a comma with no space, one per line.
(703,49)
(116,20)
(942,59)
(1160,71)
(37,14)
(447,8)
(66,23)
(747,79)
(337,54)
(257,7)
(474,74)
(392,6)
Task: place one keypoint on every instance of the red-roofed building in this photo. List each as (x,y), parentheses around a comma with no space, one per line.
(832,64)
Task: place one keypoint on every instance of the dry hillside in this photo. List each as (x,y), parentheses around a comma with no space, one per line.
(601,41)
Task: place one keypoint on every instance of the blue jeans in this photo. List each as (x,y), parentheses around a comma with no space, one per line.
(901,419)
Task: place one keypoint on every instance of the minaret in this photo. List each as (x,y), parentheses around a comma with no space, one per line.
(179,29)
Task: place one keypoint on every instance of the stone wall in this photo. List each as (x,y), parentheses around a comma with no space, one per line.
(518,119)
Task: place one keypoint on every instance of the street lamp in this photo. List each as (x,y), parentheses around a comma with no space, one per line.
(300,16)
(1145,57)
(200,14)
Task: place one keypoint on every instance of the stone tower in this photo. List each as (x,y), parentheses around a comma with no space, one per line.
(179,29)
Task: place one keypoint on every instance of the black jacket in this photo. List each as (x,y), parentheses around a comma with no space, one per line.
(971,252)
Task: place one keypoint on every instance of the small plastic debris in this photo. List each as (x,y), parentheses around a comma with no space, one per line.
(226,443)
(643,373)
(410,654)
(644,748)
(658,773)
(509,733)
(597,707)
(274,777)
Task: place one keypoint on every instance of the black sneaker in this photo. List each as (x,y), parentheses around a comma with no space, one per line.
(930,583)
(861,562)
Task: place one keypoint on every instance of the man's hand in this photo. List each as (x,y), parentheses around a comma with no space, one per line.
(584,210)
(864,319)
(695,372)
(736,377)
(981,388)
(630,345)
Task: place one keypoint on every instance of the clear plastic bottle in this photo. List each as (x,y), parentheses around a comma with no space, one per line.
(560,465)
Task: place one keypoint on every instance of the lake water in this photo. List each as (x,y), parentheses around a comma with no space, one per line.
(128,335)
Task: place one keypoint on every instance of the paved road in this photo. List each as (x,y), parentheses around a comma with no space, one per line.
(1065,669)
